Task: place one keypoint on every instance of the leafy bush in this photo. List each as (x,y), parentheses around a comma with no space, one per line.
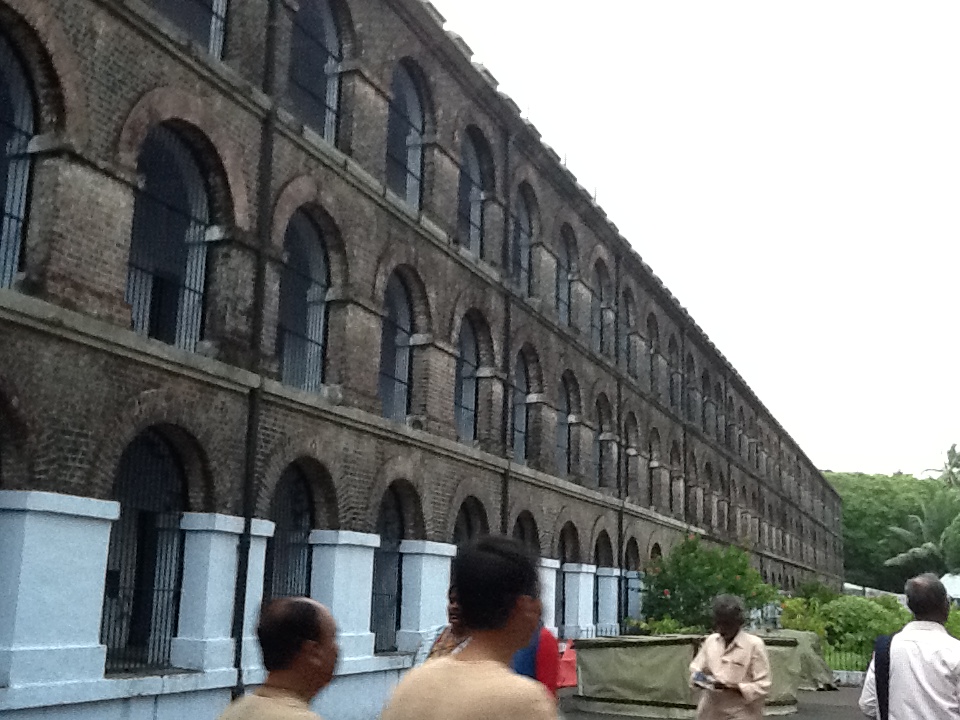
(853,623)
(816,591)
(803,614)
(682,585)
(953,623)
(665,626)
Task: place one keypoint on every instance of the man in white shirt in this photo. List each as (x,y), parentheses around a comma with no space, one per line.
(924,682)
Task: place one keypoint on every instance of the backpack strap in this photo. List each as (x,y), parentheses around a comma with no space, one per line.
(881,669)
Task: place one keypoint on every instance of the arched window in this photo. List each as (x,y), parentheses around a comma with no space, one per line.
(568,551)
(565,265)
(315,56)
(387,584)
(406,126)
(525,530)
(690,405)
(17,127)
(395,351)
(521,412)
(466,391)
(472,193)
(564,429)
(205,21)
(628,318)
(741,428)
(653,467)
(673,363)
(471,522)
(145,560)
(653,343)
(521,247)
(602,558)
(601,447)
(600,298)
(632,438)
(302,329)
(287,572)
(166,276)
(706,404)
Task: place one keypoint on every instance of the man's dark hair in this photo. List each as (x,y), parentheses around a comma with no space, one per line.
(285,623)
(489,575)
(728,607)
(926,596)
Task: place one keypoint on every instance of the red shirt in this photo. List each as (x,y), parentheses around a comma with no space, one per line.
(548,661)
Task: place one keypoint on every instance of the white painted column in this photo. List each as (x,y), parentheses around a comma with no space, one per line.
(578,588)
(260,532)
(53,559)
(608,583)
(210,552)
(426,579)
(634,590)
(548,592)
(341,579)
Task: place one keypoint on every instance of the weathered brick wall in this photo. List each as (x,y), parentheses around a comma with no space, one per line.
(107,71)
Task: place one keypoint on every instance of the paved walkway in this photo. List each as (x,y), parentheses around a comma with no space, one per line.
(828,705)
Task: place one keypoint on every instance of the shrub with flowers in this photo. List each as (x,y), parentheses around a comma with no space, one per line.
(682,585)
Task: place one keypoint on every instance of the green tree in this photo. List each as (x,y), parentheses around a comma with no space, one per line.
(871,505)
(950,472)
(682,585)
(930,540)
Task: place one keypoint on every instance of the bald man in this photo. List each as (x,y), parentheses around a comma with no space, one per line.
(298,638)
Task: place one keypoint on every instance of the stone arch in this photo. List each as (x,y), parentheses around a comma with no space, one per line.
(631,430)
(654,444)
(603,526)
(303,451)
(568,239)
(568,544)
(632,560)
(178,421)
(534,368)
(653,332)
(526,191)
(569,379)
(565,521)
(470,487)
(58,82)
(600,256)
(603,413)
(421,80)
(486,342)
(303,193)
(471,521)
(350,41)
(399,472)
(526,529)
(403,264)
(603,554)
(478,135)
(197,121)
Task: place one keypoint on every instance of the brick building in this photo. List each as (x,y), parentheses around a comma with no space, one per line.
(293,300)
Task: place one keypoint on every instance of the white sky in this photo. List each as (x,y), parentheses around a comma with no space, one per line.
(790,170)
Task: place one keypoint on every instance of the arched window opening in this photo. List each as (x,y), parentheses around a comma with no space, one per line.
(17,128)
(565,429)
(406,125)
(565,266)
(204,21)
(315,56)
(471,522)
(521,411)
(741,427)
(673,363)
(632,438)
(568,551)
(466,392)
(602,447)
(525,530)
(145,558)
(302,328)
(706,404)
(653,467)
(287,571)
(395,351)
(387,573)
(167,272)
(656,552)
(653,341)
(602,558)
(600,299)
(522,246)
(471,196)
(690,404)
(627,351)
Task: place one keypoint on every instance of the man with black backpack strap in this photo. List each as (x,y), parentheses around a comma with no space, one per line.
(915,674)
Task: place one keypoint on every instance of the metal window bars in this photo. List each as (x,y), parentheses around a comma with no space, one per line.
(204,21)
(396,367)
(168,254)
(387,574)
(315,65)
(287,570)
(302,327)
(405,131)
(16,130)
(467,386)
(145,560)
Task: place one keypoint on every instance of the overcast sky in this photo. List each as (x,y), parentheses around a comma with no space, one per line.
(790,170)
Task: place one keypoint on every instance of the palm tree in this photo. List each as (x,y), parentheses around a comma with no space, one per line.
(930,537)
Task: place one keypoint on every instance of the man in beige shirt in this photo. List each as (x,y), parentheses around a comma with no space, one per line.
(735,665)
(499,594)
(298,638)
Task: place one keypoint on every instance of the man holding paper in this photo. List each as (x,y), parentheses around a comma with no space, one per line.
(732,667)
